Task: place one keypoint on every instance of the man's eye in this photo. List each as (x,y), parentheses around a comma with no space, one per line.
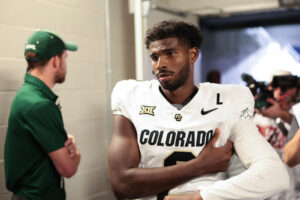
(170,53)
(154,58)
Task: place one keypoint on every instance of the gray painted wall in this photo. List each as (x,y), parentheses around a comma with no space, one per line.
(85,96)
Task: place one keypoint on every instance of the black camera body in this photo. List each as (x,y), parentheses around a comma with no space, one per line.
(261,102)
(261,91)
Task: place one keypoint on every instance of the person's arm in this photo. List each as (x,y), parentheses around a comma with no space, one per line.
(190,196)
(265,174)
(292,151)
(67,158)
(275,111)
(129,181)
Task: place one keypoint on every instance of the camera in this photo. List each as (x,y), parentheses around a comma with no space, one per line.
(261,91)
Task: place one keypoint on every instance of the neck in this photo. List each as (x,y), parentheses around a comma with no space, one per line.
(42,75)
(180,95)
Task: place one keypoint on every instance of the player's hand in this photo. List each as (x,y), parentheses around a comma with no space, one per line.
(190,196)
(215,159)
(273,111)
(71,146)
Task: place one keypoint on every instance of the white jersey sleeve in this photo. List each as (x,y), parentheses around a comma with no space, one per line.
(265,174)
(296,112)
(119,97)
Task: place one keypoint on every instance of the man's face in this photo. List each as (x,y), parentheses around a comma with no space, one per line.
(170,63)
(285,97)
(277,93)
(60,75)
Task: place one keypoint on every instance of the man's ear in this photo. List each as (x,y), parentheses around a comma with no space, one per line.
(55,60)
(194,53)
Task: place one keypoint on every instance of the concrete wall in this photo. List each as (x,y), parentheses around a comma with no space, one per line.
(91,74)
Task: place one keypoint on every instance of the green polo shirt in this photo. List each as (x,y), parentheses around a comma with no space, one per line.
(35,128)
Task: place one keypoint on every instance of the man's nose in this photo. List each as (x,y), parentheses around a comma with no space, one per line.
(161,63)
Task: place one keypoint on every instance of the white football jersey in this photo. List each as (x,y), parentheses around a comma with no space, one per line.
(167,136)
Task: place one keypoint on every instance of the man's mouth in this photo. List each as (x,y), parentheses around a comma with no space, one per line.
(163,76)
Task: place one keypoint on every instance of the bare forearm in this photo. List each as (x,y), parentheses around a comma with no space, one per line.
(65,164)
(190,196)
(73,153)
(140,182)
(76,159)
(130,181)
(286,116)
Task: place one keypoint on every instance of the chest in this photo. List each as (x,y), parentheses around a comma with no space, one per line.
(167,136)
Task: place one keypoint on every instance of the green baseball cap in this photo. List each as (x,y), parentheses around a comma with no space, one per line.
(46,44)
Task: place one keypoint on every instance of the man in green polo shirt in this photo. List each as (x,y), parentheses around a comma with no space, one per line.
(38,151)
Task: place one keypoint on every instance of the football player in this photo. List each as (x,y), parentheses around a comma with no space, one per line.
(172,137)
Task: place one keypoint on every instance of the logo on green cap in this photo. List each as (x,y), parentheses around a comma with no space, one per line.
(46,44)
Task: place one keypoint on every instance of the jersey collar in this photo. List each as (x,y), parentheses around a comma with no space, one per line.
(41,85)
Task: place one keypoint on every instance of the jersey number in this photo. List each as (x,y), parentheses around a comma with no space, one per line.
(172,159)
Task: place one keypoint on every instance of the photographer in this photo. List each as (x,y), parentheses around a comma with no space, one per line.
(274,119)
(284,92)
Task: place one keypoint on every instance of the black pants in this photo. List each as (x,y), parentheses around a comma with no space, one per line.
(16,197)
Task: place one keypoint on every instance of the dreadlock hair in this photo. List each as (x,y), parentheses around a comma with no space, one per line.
(185,32)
